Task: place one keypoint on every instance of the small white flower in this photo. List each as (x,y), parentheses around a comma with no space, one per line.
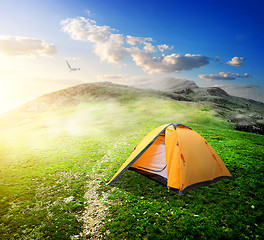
(68,199)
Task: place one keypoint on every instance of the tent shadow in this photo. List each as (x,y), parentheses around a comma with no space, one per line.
(141,186)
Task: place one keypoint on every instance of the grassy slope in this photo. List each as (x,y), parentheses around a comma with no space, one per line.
(48,157)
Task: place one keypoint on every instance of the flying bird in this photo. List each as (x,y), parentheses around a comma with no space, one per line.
(72,69)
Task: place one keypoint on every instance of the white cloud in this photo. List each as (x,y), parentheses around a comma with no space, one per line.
(24,46)
(223,76)
(167,64)
(236,61)
(112,50)
(220,76)
(107,45)
(85,30)
(246,75)
(164,47)
(111,47)
(149,48)
(111,77)
(137,40)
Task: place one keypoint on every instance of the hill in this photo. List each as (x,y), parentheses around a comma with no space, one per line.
(58,151)
(247,115)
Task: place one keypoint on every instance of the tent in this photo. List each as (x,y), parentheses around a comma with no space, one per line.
(175,156)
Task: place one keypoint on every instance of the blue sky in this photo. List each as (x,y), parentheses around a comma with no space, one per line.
(214,43)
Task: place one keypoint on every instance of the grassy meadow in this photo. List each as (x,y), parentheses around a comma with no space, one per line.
(48,159)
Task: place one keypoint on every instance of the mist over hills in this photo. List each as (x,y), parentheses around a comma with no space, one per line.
(169,84)
(245,114)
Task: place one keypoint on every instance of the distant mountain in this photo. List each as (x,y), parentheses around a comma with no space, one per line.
(248,115)
(169,84)
(245,114)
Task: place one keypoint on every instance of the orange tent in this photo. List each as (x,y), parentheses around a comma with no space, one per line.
(177,157)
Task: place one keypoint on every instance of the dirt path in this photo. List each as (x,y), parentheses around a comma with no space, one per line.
(96,206)
(94,212)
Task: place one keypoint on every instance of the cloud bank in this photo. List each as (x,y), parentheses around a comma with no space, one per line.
(223,76)
(24,46)
(236,61)
(235,87)
(113,47)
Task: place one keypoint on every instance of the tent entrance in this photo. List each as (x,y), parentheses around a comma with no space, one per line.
(186,161)
(152,163)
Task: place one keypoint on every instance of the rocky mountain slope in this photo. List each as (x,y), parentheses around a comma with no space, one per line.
(248,115)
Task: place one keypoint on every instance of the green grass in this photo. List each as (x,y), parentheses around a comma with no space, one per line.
(47,160)
(229,209)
